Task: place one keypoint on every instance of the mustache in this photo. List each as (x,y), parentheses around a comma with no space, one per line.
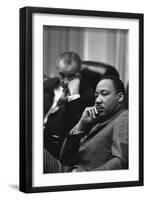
(99,107)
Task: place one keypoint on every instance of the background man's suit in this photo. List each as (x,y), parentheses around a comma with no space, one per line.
(63,120)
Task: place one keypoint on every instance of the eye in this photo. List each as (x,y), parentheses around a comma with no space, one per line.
(104,93)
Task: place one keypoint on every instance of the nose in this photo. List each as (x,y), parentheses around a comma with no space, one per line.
(98,99)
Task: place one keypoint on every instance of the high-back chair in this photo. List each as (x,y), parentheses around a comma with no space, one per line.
(92,71)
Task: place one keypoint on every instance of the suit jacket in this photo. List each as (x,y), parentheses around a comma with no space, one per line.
(65,119)
(105,147)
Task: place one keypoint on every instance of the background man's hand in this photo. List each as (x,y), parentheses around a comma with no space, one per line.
(73,86)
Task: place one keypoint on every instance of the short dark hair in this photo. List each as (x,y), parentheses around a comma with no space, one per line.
(69,57)
(118,84)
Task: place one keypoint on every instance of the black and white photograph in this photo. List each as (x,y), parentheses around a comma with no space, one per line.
(85,99)
(81,123)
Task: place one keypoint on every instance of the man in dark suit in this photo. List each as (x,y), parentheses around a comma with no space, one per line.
(99,141)
(65,99)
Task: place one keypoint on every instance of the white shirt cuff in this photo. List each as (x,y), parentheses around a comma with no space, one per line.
(73,97)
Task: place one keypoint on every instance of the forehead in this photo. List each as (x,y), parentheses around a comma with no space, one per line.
(105,84)
(67,68)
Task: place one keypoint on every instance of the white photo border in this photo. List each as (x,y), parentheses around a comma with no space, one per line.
(60,179)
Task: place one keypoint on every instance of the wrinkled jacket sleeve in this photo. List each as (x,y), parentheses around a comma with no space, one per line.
(119,146)
(70,147)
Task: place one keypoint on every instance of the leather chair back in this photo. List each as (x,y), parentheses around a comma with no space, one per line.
(92,71)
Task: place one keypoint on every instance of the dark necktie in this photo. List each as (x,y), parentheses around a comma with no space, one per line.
(64,97)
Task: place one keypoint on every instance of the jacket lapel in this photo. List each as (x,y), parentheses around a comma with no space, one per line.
(49,86)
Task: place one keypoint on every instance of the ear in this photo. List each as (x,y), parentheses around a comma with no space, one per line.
(120,97)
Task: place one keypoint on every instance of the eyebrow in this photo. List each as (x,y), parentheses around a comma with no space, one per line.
(101,91)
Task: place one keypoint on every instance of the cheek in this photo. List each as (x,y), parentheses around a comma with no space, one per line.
(109,103)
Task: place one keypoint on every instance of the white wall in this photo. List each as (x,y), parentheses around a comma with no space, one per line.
(57,40)
(103,45)
(108,46)
(96,45)
(9,120)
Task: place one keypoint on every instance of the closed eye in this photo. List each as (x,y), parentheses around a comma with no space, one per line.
(104,93)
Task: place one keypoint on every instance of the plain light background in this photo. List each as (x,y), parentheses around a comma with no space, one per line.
(9,100)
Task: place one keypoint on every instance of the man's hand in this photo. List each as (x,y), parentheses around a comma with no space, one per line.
(73,86)
(89,117)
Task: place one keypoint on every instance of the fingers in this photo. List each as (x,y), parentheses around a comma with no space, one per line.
(89,116)
(73,86)
(74,82)
(95,110)
(92,112)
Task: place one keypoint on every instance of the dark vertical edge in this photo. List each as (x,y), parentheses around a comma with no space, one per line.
(25,145)
(22,102)
(141,100)
(29,98)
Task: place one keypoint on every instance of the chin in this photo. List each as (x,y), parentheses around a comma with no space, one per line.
(101,112)
(102,115)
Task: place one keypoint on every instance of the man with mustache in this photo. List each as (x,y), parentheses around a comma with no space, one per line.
(99,141)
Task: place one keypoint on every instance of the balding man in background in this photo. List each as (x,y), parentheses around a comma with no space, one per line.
(65,99)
